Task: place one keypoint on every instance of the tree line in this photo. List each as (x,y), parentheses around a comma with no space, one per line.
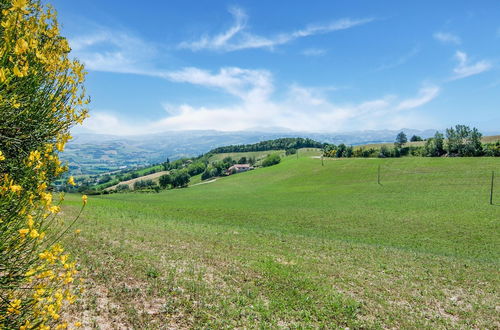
(458,141)
(276,144)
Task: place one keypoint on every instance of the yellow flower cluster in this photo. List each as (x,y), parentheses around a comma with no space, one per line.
(41,91)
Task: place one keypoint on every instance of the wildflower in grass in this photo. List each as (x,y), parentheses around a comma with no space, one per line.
(2,157)
(84,199)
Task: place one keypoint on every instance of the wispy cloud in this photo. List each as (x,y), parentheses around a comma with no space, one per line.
(113,51)
(399,61)
(465,69)
(298,108)
(313,52)
(425,95)
(237,37)
(249,85)
(447,38)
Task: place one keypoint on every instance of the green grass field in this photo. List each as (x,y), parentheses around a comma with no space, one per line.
(298,245)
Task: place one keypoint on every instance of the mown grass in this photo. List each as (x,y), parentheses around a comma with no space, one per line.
(299,245)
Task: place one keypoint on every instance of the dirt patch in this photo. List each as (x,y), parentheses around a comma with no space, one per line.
(131,182)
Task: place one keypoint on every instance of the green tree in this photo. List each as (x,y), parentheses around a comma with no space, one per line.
(415,138)
(165,180)
(384,152)
(401,140)
(340,150)
(434,147)
(180,179)
(271,160)
(462,141)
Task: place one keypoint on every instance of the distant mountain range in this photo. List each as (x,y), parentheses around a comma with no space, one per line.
(97,153)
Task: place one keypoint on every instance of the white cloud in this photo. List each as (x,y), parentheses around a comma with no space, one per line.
(112,51)
(104,122)
(447,38)
(249,85)
(425,95)
(300,108)
(314,52)
(237,37)
(465,69)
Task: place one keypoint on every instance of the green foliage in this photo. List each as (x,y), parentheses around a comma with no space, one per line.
(165,180)
(196,168)
(277,144)
(41,97)
(434,147)
(340,151)
(271,160)
(401,139)
(122,187)
(180,178)
(385,152)
(492,149)
(145,184)
(462,141)
(210,172)
(416,138)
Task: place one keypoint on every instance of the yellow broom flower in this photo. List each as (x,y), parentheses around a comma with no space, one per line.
(71,181)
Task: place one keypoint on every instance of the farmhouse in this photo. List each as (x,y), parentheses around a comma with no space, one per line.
(237,168)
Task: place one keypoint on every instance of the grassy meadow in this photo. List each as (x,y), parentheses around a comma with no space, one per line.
(298,245)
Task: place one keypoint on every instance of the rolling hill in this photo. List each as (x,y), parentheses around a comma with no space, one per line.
(299,244)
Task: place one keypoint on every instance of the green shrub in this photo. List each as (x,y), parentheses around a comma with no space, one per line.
(271,160)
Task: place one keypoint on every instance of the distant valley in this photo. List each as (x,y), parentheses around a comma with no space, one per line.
(97,153)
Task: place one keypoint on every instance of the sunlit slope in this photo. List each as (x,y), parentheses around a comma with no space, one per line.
(301,244)
(425,204)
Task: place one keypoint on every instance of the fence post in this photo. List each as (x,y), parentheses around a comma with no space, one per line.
(322,161)
(491,189)
(378,174)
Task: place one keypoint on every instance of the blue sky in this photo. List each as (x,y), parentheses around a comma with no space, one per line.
(327,66)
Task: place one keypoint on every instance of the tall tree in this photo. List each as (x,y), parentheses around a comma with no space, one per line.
(401,139)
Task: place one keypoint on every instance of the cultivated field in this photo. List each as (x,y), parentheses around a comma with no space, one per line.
(130,183)
(299,245)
